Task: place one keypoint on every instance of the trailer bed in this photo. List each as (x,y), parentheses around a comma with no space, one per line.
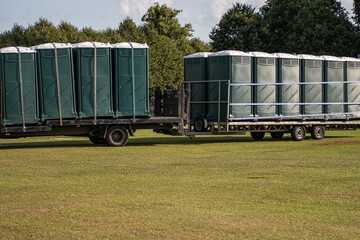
(48,126)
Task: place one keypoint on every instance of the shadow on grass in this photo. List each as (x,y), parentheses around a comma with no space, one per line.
(207,140)
(134,142)
(52,144)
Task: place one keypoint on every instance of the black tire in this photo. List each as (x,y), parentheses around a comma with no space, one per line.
(117,136)
(298,133)
(257,135)
(318,132)
(97,140)
(277,135)
(199,125)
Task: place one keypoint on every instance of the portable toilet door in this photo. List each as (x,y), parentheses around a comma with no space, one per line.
(352,88)
(131,79)
(19,86)
(56,81)
(195,70)
(234,66)
(264,74)
(312,76)
(93,77)
(334,87)
(288,93)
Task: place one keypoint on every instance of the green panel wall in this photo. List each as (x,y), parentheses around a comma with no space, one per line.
(48,92)
(195,69)
(84,77)
(241,73)
(10,79)
(353,89)
(312,71)
(122,67)
(264,72)
(289,72)
(219,69)
(237,69)
(334,93)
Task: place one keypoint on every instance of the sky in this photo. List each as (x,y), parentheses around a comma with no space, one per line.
(101,14)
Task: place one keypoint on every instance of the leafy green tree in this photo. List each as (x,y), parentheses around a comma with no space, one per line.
(356,19)
(169,42)
(111,36)
(302,26)
(88,34)
(240,28)
(43,31)
(356,11)
(166,62)
(15,37)
(70,32)
(164,20)
(130,32)
(198,46)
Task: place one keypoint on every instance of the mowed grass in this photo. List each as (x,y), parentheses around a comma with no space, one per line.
(163,187)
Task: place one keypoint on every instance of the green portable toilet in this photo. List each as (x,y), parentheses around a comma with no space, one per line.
(195,70)
(234,66)
(352,92)
(288,67)
(93,78)
(264,73)
(334,89)
(19,86)
(131,79)
(56,81)
(312,76)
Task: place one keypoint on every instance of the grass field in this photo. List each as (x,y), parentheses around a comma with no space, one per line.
(163,187)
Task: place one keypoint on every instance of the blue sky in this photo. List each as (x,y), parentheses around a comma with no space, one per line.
(100,14)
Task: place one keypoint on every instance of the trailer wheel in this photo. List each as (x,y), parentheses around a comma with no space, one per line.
(97,140)
(257,135)
(199,125)
(298,133)
(117,136)
(318,132)
(277,135)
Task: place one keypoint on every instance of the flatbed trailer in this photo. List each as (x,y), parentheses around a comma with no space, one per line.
(257,128)
(115,131)
(112,131)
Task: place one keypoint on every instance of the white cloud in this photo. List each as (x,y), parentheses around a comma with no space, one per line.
(137,8)
(350,2)
(218,7)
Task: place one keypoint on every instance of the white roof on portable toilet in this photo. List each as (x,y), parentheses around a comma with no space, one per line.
(230,53)
(262,54)
(310,57)
(332,58)
(16,50)
(129,45)
(351,59)
(52,46)
(91,45)
(287,55)
(198,55)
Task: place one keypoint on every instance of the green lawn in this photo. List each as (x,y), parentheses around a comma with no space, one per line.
(163,187)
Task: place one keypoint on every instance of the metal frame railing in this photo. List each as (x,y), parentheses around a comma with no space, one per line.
(219,102)
(228,103)
(293,104)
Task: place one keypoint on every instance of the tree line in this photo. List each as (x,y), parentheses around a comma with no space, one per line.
(168,41)
(320,27)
